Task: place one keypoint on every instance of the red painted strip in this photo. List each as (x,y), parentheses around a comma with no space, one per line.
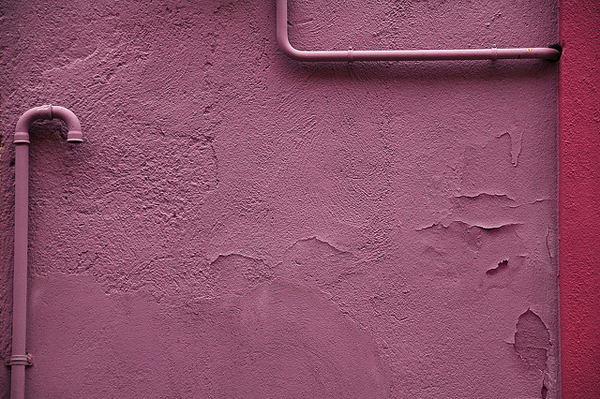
(579,198)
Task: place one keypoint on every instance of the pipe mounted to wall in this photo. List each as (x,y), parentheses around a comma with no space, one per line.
(401,55)
(19,358)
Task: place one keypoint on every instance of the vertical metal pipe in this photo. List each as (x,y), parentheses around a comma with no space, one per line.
(19,359)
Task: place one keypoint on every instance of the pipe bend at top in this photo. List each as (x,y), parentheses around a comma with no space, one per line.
(74,134)
(350,55)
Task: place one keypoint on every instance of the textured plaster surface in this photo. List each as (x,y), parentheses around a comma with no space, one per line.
(580,199)
(238,224)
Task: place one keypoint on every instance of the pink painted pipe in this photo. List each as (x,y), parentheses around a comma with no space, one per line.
(401,55)
(19,358)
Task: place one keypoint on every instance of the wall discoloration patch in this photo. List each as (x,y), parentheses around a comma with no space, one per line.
(276,340)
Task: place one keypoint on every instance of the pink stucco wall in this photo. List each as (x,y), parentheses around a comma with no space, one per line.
(238,224)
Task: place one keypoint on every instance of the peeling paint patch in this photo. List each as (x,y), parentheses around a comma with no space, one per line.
(505,273)
(532,340)
(484,196)
(315,261)
(493,226)
(502,266)
(487,256)
(544,391)
(318,242)
(481,225)
(485,210)
(516,139)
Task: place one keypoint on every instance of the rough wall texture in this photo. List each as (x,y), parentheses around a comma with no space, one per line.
(580,198)
(238,224)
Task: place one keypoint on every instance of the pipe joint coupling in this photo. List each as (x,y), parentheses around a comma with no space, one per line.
(23,360)
(21,138)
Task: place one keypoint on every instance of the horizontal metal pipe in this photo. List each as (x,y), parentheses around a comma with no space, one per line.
(547,53)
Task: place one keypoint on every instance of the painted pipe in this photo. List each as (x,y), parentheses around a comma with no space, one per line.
(401,55)
(19,358)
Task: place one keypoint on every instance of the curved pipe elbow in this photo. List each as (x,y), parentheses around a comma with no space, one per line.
(74,134)
(286,47)
(282,34)
(22,129)
(300,55)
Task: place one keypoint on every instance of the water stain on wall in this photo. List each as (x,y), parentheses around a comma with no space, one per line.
(276,340)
